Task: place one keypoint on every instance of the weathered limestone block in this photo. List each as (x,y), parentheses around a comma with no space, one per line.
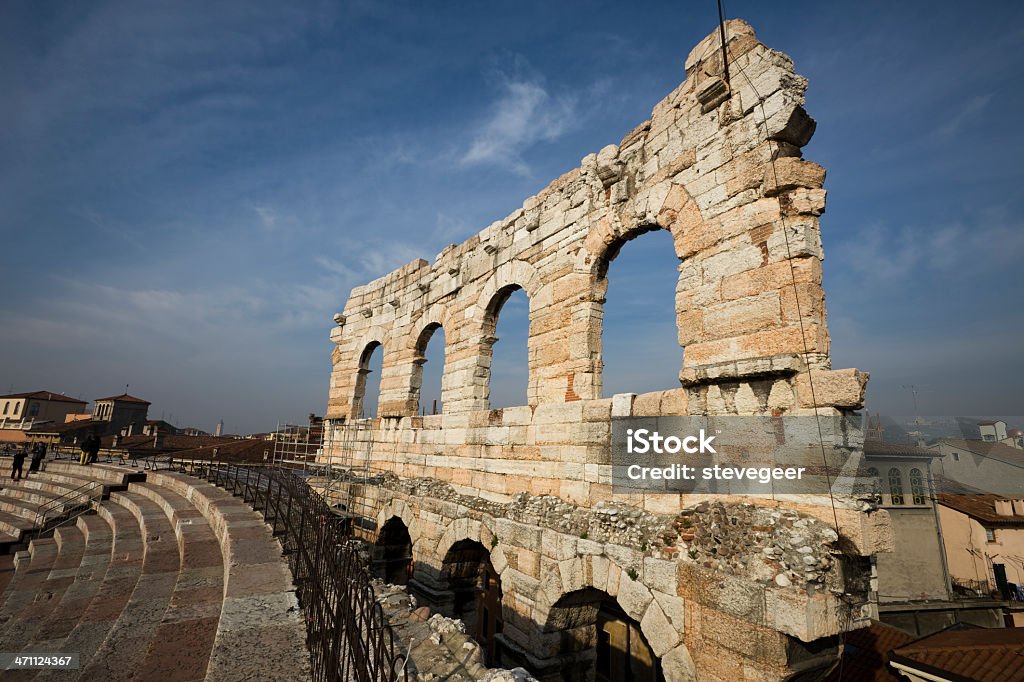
(664,635)
(678,666)
(841,388)
(788,173)
(633,596)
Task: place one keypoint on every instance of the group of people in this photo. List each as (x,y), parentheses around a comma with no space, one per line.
(38,452)
(90,451)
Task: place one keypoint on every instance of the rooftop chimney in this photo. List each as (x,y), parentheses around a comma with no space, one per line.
(1004,507)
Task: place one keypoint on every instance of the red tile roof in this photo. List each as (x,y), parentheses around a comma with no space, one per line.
(881,449)
(980,506)
(987,448)
(866,655)
(165,443)
(125,398)
(69,428)
(237,450)
(46,395)
(976,654)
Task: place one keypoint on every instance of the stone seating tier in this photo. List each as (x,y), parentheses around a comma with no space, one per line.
(171,579)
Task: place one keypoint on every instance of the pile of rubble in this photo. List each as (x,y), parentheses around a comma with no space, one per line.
(607,522)
(761,542)
(766,543)
(437,647)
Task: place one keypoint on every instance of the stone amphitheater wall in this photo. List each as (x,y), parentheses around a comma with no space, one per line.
(718,165)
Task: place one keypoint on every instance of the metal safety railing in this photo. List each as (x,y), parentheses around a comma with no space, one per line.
(66,508)
(347,633)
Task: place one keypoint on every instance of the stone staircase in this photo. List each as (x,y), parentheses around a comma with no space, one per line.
(170,579)
(58,493)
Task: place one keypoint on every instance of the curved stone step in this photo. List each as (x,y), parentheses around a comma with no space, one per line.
(88,580)
(54,485)
(135,626)
(33,567)
(118,584)
(66,480)
(23,509)
(108,474)
(190,623)
(261,633)
(31,494)
(14,525)
(70,542)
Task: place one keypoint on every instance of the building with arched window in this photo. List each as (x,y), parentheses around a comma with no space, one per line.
(914,586)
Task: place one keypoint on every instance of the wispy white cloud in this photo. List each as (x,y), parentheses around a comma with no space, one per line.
(963,117)
(523,114)
(334,266)
(449,228)
(882,254)
(376,261)
(267,217)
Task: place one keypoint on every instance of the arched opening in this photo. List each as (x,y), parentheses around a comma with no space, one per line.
(367,394)
(599,642)
(476,587)
(392,556)
(508,321)
(428,371)
(895,486)
(875,481)
(917,487)
(640,349)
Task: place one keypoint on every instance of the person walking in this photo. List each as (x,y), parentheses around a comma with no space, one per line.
(87,448)
(17,464)
(94,449)
(38,453)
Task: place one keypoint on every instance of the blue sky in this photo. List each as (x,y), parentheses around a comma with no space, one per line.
(189,190)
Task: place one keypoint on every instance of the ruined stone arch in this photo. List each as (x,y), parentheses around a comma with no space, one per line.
(749,247)
(669,207)
(678,214)
(366,346)
(391,553)
(589,626)
(505,281)
(463,529)
(515,272)
(472,580)
(433,319)
(659,614)
(400,509)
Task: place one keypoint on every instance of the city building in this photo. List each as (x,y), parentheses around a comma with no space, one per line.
(915,590)
(121,410)
(988,466)
(20,410)
(984,540)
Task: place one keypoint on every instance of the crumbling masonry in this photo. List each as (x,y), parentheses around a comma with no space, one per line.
(509,514)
